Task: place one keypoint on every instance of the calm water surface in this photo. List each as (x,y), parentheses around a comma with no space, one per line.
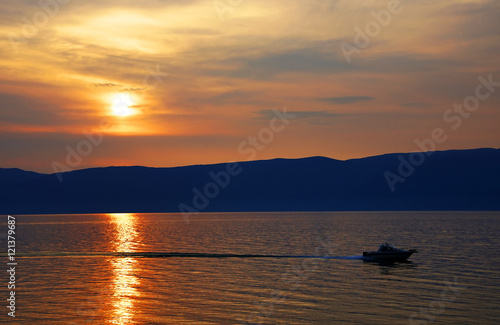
(308,270)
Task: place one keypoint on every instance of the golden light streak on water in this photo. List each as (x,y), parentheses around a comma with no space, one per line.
(125,282)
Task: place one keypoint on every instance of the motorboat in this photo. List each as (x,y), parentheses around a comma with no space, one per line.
(388,252)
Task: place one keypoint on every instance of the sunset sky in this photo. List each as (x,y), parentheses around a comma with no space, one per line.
(182,82)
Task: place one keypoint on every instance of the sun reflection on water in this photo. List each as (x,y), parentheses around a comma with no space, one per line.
(125,282)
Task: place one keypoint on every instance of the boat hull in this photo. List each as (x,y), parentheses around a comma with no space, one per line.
(393,256)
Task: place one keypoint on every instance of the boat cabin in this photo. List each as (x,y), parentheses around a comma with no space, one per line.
(386,248)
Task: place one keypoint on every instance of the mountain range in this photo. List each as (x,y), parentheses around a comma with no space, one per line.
(441,180)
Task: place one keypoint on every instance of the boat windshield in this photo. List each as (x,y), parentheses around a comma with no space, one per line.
(385,248)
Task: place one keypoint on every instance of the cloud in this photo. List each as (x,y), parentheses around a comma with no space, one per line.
(298,60)
(416,105)
(474,20)
(132,89)
(346,99)
(404,62)
(106,85)
(240,97)
(268,114)
(265,66)
(21,110)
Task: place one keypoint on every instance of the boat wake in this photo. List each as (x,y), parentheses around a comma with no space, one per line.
(354,257)
(174,254)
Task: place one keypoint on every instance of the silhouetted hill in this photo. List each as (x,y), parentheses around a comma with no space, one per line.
(13,175)
(442,180)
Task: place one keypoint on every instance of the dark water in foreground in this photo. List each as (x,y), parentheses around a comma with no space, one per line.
(268,268)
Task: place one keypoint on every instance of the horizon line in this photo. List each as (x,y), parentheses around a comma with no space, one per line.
(257,160)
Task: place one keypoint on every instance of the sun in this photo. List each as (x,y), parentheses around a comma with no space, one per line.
(122,105)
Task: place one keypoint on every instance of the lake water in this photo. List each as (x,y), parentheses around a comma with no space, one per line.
(254,268)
